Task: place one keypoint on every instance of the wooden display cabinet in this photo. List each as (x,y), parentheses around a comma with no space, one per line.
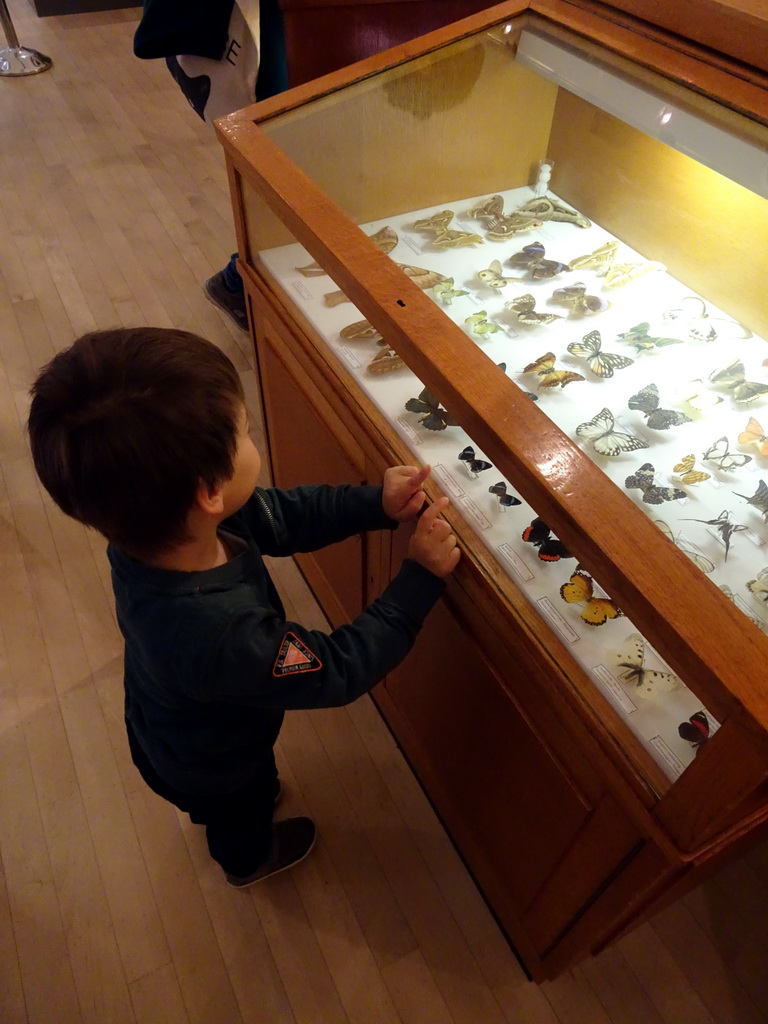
(573,831)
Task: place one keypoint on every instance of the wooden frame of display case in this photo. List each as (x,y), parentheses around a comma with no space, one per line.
(624,838)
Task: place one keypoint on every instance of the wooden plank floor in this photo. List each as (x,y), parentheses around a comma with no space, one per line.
(113,209)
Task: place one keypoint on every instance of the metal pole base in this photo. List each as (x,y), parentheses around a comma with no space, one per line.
(16,61)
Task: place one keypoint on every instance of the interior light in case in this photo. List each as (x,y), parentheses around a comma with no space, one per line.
(638,105)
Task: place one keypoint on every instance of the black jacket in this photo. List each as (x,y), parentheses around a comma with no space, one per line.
(170,27)
(211,663)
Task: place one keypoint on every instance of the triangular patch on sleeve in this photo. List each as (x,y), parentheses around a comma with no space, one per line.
(294,656)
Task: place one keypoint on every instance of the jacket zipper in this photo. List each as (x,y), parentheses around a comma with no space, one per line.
(270,516)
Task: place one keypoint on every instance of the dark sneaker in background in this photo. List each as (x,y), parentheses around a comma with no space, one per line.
(231,303)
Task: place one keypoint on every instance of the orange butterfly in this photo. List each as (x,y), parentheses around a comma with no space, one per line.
(754,434)
(544,366)
(596,610)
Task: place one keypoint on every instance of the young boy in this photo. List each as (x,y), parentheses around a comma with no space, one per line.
(143,435)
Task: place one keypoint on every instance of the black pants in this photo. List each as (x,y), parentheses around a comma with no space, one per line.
(238,825)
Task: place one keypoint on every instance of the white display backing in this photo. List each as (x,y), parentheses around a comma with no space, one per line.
(650,299)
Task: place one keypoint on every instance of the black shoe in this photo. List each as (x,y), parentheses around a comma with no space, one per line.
(231,303)
(292,839)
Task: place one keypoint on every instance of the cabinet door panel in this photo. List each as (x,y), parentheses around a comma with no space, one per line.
(505,799)
(304,450)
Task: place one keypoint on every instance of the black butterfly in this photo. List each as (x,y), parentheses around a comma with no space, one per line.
(550,548)
(695,730)
(433,416)
(474,465)
(647,401)
(531,257)
(505,500)
(724,527)
(759,499)
(652,494)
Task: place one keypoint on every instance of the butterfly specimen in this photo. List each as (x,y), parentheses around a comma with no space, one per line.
(423,278)
(759,499)
(435,224)
(493,276)
(697,396)
(359,330)
(550,549)
(445,291)
(652,493)
(601,257)
(386,239)
(759,586)
(695,730)
(531,258)
(547,208)
(688,474)
(597,610)
(699,560)
(488,209)
(643,342)
(754,434)
(648,682)
(524,309)
(432,415)
(544,366)
(724,526)
(502,226)
(647,401)
(581,304)
(723,457)
(734,379)
(386,360)
(480,324)
(474,465)
(454,239)
(605,440)
(505,500)
(602,364)
(761,625)
(616,274)
(700,326)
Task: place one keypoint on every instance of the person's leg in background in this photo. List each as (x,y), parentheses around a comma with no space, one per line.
(216,87)
(225,290)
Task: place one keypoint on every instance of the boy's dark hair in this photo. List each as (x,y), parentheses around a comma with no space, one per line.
(127,423)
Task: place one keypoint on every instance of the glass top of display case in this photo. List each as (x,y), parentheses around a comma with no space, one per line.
(598,238)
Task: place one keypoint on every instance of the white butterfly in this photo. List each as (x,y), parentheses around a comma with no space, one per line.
(723,457)
(700,326)
(605,440)
(698,559)
(695,393)
(602,364)
(648,682)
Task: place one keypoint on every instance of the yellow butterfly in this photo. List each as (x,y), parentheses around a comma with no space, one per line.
(754,434)
(687,473)
(544,366)
(596,610)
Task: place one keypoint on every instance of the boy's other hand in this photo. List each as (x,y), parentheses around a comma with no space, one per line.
(433,545)
(403,497)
